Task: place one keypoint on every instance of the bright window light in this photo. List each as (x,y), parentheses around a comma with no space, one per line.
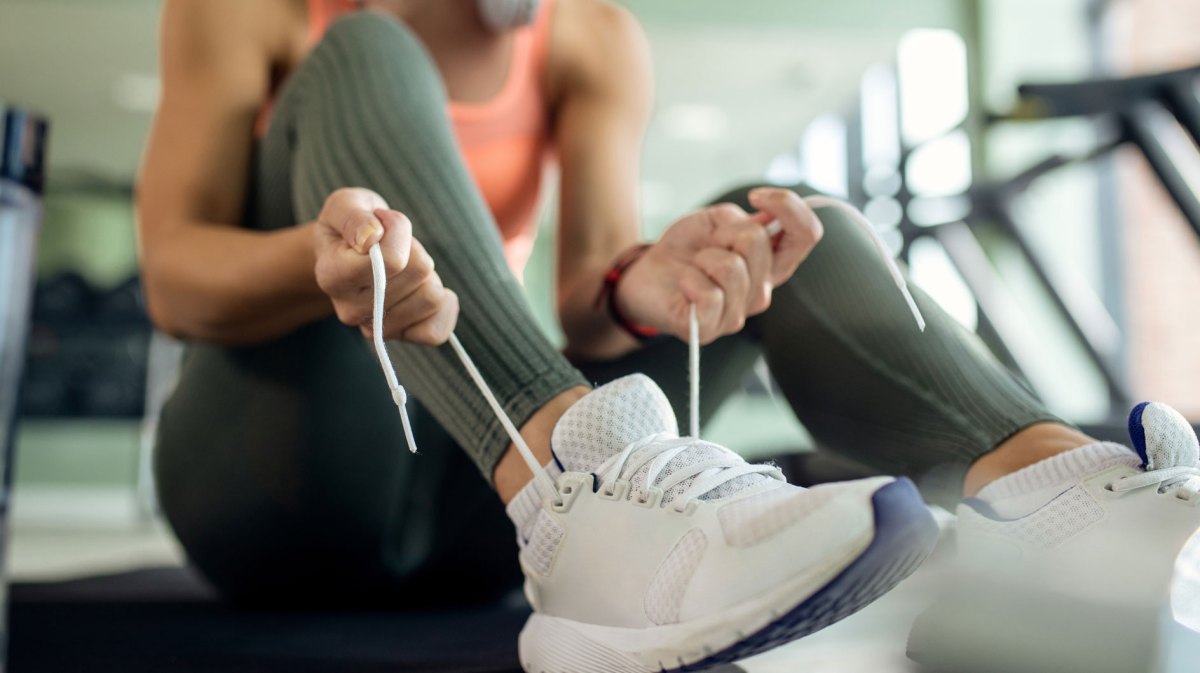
(932,271)
(930,212)
(881,181)
(881,135)
(933,84)
(941,167)
(885,213)
(823,154)
(784,169)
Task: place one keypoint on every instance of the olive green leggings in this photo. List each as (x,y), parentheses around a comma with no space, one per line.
(282,468)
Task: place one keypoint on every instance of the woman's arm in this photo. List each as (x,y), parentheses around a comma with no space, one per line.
(205,278)
(720,260)
(603,75)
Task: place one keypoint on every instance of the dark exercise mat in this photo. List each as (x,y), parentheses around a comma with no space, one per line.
(168,621)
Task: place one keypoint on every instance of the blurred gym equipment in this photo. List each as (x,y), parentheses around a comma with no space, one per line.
(1158,115)
(22,155)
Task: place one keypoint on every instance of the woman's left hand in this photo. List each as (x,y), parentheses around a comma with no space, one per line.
(722,260)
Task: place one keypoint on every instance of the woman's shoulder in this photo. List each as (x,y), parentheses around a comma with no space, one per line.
(593,16)
(586,35)
(273,25)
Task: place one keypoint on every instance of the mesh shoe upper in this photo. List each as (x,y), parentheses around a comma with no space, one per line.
(622,412)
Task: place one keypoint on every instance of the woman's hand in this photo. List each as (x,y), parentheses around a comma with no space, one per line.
(721,259)
(417,307)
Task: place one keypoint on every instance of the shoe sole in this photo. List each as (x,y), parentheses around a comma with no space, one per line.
(904,535)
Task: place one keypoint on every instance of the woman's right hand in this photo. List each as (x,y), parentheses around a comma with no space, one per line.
(418,308)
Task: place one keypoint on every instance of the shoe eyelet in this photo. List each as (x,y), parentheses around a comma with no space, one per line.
(650,498)
(618,491)
(567,490)
(1109,487)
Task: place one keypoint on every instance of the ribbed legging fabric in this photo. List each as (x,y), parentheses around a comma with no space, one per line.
(283,464)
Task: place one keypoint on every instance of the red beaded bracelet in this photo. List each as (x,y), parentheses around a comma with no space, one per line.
(609,292)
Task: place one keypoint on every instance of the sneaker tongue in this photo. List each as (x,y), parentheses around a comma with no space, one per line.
(1162,437)
(608,419)
(615,415)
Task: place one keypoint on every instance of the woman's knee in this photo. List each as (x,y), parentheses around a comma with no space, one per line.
(369,49)
(740,196)
(843,241)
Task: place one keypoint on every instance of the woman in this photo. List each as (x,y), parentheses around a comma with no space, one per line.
(290,140)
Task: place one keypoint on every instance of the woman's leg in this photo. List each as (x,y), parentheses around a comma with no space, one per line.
(282,467)
(368,109)
(282,470)
(867,383)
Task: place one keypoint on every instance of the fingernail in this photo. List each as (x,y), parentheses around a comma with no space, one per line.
(364,234)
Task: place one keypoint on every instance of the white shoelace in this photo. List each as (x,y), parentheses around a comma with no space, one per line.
(661,448)
(1185,481)
(658,448)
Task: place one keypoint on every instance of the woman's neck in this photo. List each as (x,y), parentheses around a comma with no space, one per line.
(436,19)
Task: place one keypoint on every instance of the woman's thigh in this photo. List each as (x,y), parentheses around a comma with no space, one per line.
(283,470)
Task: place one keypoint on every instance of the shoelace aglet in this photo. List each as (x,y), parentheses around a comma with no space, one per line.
(400,397)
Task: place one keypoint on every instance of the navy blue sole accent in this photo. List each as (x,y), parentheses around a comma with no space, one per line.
(905,534)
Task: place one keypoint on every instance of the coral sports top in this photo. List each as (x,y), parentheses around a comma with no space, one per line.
(506,141)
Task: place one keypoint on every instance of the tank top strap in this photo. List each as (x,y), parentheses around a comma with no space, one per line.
(321,13)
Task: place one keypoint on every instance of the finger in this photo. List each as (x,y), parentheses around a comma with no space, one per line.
(436,330)
(355,311)
(396,242)
(749,239)
(349,216)
(416,273)
(343,274)
(727,269)
(697,288)
(724,213)
(419,305)
(800,229)
(771,225)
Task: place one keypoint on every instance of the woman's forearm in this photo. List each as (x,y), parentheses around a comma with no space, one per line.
(590,330)
(232,286)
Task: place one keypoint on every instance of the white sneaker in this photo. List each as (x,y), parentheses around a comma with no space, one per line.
(1102,578)
(661,553)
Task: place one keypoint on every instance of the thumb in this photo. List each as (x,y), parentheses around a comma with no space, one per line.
(361,229)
